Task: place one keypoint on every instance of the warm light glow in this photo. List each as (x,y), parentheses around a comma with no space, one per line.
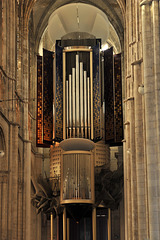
(104,47)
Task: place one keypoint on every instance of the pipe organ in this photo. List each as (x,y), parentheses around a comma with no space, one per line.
(78,94)
(70,95)
(74,100)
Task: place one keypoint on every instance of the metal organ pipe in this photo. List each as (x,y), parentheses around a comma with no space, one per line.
(67,108)
(81,97)
(70,105)
(73,101)
(89,119)
(85,103)
(77,95)
(78,102)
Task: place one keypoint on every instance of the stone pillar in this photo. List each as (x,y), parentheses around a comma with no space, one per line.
(127,128)
(142,217)
(150,31)
(13,184)
(27,189)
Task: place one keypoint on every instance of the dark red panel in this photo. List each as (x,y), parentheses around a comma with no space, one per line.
(47,96)
(39,119)
(118,113)
(96,93)
(108,95)
(59,95)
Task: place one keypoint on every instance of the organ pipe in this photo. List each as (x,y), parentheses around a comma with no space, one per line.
(88,100)
(79,106)
(85,103)
(81,97)
(91,87)
(77,94)
(67,108)
(73,102)
(64,97)
(76,178)
(70,104)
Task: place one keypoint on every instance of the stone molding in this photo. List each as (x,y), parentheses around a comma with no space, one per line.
(6,75)
(146,2)
(137,62)
(6,119)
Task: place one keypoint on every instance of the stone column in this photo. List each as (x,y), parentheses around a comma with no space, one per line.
(27,190)
(149,31)
(142,217)
(13,184)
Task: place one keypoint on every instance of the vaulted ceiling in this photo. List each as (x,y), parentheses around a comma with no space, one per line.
(113,9)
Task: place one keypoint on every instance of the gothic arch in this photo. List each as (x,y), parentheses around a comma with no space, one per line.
(114,11)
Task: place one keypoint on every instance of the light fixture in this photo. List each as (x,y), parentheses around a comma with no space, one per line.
(141,89)
(1,153)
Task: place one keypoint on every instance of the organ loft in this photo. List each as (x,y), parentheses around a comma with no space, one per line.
(79,116)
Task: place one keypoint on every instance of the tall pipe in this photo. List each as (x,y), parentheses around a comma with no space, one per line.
(51,226)
(73,100)
(64,97)
(57,227)
(94,223)
(67,109)
(64,224)
(85,103)
(70,104)
(109,224)
(91,87)
(67,228)
(88,100)
(76,176)
(81,98)
(77,95)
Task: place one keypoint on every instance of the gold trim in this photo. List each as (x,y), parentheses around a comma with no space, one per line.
(76,151)
(64,224)
(79,200)
(92,179)
(64,95)
(109,224)
(51,226)
(94,223)
(70,201)
(77,48)
(91,74)
(68,228)
(61,180)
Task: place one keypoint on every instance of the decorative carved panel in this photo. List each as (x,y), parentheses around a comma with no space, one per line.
(96,92)
(108,95)
(47,96)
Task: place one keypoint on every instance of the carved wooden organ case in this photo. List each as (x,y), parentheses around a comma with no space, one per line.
(76,87)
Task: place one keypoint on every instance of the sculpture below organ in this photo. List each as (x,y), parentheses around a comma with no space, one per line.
(69,97)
